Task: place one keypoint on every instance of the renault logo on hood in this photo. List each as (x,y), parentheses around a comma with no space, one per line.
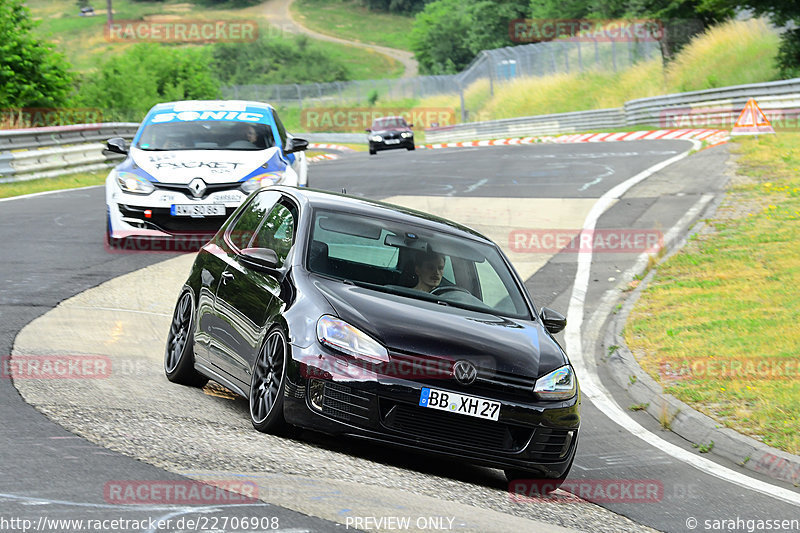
(465,372)
(198,187)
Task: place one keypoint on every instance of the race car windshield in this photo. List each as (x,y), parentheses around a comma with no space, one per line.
(206,135)
(414,261)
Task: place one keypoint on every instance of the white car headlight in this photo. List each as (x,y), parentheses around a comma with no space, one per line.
(406,134)
(348,339)
(560,384)
(262,180)
(376,138)
(130,182)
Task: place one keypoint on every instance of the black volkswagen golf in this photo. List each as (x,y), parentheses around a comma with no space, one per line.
(360,318)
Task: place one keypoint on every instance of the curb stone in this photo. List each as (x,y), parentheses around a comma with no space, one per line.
(685,421)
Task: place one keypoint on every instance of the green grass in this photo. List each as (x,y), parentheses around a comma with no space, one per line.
(723,312)
(73,181)
(83,41)
(733,53)
(351,20)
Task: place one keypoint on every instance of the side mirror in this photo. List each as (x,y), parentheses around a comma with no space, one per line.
(117,145)
(368,131)
(295,145)
(410,125)
(260,258)
(553,321)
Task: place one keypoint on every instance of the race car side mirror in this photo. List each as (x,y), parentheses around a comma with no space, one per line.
(296,145)
(117,145)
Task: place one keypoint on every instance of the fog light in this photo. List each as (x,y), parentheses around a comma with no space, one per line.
(316,391)
(148,213)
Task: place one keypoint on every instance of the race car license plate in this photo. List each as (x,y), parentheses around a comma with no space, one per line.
(392,141)
(197,210)
(459,403)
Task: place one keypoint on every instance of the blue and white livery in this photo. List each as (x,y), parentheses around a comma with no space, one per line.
(192,163)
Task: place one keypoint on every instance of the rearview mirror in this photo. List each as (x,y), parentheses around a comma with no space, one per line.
(553,321)
(260,258)
(117,145)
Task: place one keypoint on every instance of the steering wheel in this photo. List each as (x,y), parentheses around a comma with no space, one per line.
(449,288)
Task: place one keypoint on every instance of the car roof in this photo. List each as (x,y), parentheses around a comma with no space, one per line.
(351,204)
(167,106)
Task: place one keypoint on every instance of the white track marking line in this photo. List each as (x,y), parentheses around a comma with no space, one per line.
(44,193)
(591,386)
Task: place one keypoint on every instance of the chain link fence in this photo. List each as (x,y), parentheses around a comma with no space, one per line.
(498,66)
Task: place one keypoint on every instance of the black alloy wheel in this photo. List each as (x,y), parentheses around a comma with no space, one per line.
(267,384)
(179,355)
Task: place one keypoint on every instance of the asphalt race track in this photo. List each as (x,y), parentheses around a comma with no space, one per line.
(53,251)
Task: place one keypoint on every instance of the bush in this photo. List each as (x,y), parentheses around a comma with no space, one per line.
(128,85)
(270,60)
(32,74)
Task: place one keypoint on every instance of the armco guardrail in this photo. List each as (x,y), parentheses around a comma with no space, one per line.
(713,104)
(54,151)
(527,126)
(710,108)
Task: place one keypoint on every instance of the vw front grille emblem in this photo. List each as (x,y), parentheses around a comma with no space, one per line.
(465,372)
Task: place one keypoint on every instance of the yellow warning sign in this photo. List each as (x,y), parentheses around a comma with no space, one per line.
(752,121)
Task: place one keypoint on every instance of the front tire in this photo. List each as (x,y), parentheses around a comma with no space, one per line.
(179,355)
(268,383)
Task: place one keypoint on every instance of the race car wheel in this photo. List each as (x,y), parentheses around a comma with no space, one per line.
(179,355)
(268,382)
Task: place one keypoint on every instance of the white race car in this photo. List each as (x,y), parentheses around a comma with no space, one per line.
(192,163)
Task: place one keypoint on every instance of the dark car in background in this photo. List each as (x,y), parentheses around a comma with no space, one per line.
(388,133)
(308,304)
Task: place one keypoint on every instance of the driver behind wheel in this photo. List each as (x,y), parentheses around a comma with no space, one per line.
(429,268)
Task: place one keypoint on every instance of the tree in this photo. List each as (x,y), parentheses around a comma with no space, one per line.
(680,19)
(32,73)
(129,84)
(448,34)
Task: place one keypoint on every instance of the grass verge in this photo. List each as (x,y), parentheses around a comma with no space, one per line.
(353,21)
(73,181)
(717,326)
(740,52)
(83,40)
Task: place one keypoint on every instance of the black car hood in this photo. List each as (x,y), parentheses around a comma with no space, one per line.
(425,328)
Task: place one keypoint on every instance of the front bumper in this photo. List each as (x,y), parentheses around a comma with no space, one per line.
(380,146)
(536,436)
(137,215)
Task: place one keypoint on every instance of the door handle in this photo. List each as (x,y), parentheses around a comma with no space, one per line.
(226,276)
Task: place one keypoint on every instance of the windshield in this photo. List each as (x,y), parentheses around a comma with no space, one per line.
(413,261)
(390,122)
(206,135)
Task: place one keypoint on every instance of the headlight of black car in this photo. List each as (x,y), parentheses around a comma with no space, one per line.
(343,337)
(560,384)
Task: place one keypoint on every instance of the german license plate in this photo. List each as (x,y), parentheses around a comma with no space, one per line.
(459,403)
(197,210)
(392,141)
